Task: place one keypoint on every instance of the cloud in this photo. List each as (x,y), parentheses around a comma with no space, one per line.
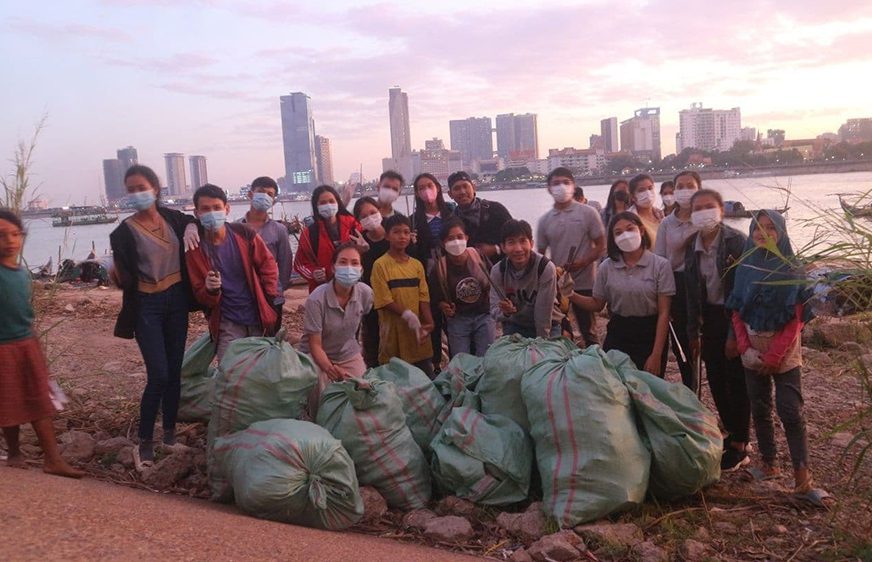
(63,32)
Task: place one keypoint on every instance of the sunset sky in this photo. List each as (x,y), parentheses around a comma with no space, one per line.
(204,77)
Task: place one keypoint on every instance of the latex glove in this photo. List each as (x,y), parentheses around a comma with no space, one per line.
(213,281)
(752,360)
(319,275)
(360,241)
(565,285)
(412,320)
(191,237)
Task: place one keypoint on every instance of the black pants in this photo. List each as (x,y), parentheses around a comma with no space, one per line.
(788,403)
(726,377)
(436,334)
(278,308)
(586,320)
(369,329)
(634,335)
(678,312)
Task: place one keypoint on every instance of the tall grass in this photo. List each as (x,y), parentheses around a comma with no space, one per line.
(17,183)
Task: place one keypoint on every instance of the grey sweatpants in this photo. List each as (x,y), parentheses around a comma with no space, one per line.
(788,404)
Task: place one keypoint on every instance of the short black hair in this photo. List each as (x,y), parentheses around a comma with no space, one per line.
(710,193)
(147,173)
(611,247)
(513,228)
(690,173)
(391,175)
(265,181)
(9,215)
(578,194)
(668,184)
(209,190)
(458,176)
(637,179)
(560,172)
(453,222)
(396,220)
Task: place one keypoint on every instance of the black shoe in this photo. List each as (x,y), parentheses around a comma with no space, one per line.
(733,459)
(169,437)
(146,451)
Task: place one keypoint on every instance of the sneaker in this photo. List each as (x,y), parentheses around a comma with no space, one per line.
(733,459)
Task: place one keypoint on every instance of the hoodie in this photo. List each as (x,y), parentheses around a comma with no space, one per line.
(533,291)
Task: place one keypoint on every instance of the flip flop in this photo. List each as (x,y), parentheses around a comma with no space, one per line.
(816,497)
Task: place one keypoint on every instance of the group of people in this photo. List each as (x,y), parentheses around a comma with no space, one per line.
(385,285)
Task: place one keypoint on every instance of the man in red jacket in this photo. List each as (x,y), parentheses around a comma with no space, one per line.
(233,273)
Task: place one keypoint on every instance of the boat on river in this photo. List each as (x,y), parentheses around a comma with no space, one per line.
(854,210)
(82,216)
(735,210)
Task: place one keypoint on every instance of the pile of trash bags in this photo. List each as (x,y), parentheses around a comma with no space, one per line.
(600,434)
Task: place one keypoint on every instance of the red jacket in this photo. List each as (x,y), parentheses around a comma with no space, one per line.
(780,343)
(306,262)
(261,273)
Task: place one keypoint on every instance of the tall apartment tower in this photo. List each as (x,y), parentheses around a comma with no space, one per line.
(398,109)
(517,134)
(298,139)
(128,157)
(609,134)
(641,133)
(113,178)
(324,160)
(473,138)
(176,182)
(198,171)
(708,129)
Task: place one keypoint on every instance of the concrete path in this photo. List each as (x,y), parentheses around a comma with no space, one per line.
(50,518)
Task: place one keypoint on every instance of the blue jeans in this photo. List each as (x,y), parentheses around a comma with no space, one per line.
(510,328)
(161,331)
(464,330)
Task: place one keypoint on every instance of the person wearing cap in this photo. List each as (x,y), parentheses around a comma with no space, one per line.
(262,194)
(484,219)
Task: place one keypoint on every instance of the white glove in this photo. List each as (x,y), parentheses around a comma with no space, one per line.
(360,241)
(752,360)
(319,275)
(213,281)
(412,320)
(191,237)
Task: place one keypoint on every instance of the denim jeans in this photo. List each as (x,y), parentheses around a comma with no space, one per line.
(788,404)
(466,330)
(510,328)
(161,331)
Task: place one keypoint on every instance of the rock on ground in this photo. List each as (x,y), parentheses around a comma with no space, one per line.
(561,546)
(691,551)
(374,505)
(125,457)
(112,445)
(450,528)
(612,536)
(418,519)
(647,551)
(77,446)
(452,505)
(169,470)
(529,526)
(521,555)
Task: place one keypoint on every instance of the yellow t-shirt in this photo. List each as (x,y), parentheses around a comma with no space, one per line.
(404,283)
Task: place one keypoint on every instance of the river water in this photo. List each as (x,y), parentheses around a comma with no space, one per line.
(808,195)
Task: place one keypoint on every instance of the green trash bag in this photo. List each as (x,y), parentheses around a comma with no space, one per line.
(457,384)
(590,456)
(291,471)
(506,360)
(195,403)
(681,433)
(367,416)
(421,401)
(483,458)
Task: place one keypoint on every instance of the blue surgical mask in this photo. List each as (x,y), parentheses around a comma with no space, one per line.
(347,275)
(213,220)
(261,202)
(142,200)
(328,210)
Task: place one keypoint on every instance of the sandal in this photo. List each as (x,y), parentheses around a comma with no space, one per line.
(818,497)
(767,472)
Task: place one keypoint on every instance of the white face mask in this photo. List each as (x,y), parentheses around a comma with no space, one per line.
(371,222)
(629,241)
(386,195)
(706,219)
(683,197)
(668,200)
(455,247)
(644,198)
(561,192)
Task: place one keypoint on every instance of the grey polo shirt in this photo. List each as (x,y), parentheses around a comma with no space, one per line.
(337,326)
(672,236)
(633,291)
(708,269)
(560,229)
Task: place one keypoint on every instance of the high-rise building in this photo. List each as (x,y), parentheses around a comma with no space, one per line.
(176,182)
(437,160)
(113,177)
(324,160)
(473,138)
(708,129)
(581,162)
(640,134)
(198,171)
(609,134)
(128,157)
(298,138)
(398,110)
(748,134)
(856,130)
(517,133)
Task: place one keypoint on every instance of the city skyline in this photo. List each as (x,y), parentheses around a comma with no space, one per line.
(785,64)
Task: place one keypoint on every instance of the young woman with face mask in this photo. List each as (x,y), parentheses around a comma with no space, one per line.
(667,196)
(616,203)
(644,197)
(366,211)
(672,236)
(333,226)
(148,250)
(710,258)
(460,287)
(638,287)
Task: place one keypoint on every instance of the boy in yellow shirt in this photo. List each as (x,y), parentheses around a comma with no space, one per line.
(402,299)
